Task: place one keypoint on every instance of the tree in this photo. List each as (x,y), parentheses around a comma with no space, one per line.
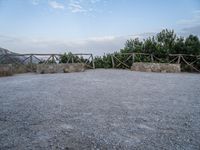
(192,45)
(150,45)
(133,45)
(179,46)
(65,57)
(165,41)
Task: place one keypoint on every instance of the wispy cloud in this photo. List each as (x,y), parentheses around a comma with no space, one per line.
(191,25)
(195,20)
(83,6)
(56,5)
(192,30)
(76,8)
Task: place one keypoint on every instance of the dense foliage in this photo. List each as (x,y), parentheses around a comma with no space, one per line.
(70,58)
(164,43)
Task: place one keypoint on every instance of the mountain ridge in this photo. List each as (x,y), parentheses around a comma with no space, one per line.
(4,51)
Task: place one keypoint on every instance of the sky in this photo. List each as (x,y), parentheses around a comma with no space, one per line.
(90,26)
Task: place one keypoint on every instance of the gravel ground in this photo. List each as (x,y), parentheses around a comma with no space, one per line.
(100,109)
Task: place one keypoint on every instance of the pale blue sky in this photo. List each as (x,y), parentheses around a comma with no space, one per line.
(90,25)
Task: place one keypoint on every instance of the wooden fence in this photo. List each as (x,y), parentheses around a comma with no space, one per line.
(31,59)
(128,59)
(188,60)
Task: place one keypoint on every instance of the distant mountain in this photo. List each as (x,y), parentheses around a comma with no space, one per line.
(4,51)
(14,58)
(9,59)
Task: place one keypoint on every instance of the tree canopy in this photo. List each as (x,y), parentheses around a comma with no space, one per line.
(164,43)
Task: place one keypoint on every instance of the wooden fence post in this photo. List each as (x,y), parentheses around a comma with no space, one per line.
(152,58)
(179,59)
(113,63)
(133,57)
(53,59)
(93,64)
(31,62)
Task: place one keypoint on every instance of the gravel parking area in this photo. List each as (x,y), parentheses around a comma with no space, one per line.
(100,109)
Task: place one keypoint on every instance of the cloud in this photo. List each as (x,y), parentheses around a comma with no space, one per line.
(87,7)
(56,5)
(76,8)
(192,30)
(195,20)
(94,45)
(83,6)
(102,39)
(192,25)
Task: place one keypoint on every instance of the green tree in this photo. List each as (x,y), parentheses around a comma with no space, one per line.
(179,47)
(150,45)
(192,45)
(65,57)
(165,42)
(133,45)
